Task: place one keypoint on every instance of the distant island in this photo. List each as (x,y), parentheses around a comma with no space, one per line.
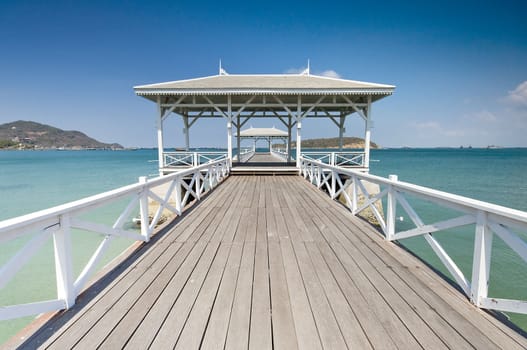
(31,135)
(333,142)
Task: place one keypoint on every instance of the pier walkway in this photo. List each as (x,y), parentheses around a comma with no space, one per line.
(272,262)
(264,164)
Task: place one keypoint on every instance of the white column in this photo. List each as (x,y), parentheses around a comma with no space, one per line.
(229,131)
(341,130)
(63,262)
(159,126)
(298,131)
(187,136)
(367,133)
(238,138)
(288,147)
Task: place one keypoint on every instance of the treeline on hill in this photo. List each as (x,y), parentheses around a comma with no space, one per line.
(333,142)
(31,135)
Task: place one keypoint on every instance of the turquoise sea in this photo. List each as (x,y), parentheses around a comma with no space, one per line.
(34,180)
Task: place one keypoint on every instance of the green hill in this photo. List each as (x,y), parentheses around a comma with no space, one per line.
(32,135)
(333,142)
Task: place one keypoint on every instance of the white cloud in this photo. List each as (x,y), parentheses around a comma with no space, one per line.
(518,96)
(295,70)
(330,74)
(483,116)
(428,127)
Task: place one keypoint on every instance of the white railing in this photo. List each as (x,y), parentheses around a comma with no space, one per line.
(342,159)
(279,153)
(489,220)
(58,222)
(190,159)
(246,154)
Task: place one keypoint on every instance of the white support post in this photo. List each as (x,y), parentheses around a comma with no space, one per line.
(159,126)
(481,263)
(333,183)
(367,135)
(391,210)
(186,130)
(288,147)
(198,185)
(341,130)
(229,131)
(354,197)
(238,143)
(63,262)
(143,209)
(177,194)
(298,131)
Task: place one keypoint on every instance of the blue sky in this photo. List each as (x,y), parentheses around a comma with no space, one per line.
(460,67)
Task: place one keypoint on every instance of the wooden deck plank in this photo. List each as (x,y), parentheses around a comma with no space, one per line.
(328,329)
(216,332)
(305,327)
(284,335)
(194,329)
(260,336)
(272,262)
(152,322)
(240,320)
(182,304)
(348,323)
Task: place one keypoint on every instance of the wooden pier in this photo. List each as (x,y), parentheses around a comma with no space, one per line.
(271,262)
(264,164)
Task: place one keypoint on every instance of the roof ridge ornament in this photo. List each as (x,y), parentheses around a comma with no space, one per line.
(221,70)
(307,70)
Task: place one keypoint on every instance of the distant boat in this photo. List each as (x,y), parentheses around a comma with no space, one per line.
(494,147)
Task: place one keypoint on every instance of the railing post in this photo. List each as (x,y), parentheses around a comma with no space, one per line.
(354,195)
(178,194)
(195,159)
(391,210)
(63,262)
(481,262)
(333,184)
(143,209)
(332,158)
(198,184)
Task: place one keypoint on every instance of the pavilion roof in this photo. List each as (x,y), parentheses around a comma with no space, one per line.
(263,132)
(282,84)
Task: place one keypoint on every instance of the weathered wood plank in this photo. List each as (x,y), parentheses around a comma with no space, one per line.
(284,335)
(305,327)
(239,324)
(216,332)
(348,323)
(260,336)
(173,322)
(195,326)
(328,329)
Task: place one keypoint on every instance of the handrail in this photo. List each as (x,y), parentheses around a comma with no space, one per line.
(279,153)
(246,154)
(343,159)
(190,159)
(489,219)
(57,223)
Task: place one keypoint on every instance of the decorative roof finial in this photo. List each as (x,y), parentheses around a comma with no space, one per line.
(222,71)
(306,71)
